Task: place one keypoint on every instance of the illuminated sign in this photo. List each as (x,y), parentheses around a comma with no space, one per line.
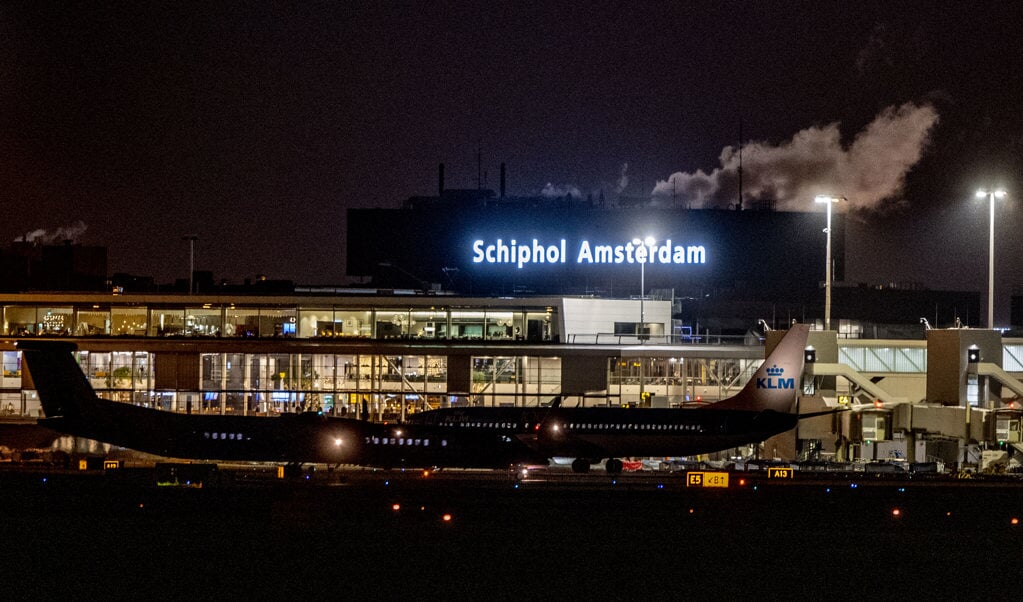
(775,472)
(535,251)
(706,479)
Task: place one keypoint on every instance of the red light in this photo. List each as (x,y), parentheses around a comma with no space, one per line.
(426,473)
(1014,521)
(691,511)
(877,403)
(896,512)
(742,482)
(396,507)
(446,518)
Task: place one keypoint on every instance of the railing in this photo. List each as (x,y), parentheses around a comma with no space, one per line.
(608,338)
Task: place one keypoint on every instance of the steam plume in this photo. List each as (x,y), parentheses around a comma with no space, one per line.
(41,236)
(553,191)
(871,170)
(623,179)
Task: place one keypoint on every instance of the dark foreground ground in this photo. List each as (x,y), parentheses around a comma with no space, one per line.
(80,536)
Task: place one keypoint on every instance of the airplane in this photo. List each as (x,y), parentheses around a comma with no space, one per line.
(759,411)
(72,407)
(455,437)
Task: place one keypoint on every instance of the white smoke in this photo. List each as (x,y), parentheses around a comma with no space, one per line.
(871,170)
(623,179)
(45,237)
(557,191)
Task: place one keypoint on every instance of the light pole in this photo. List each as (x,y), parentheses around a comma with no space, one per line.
(191,260)
(991,194)
(645,244)
(828,201)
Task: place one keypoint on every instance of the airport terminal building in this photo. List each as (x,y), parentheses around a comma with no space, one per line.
(471,298)
(385,356)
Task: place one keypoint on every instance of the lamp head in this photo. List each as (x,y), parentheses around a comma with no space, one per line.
(998,194)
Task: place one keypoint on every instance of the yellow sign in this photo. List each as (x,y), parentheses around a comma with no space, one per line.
(706,479)
(111,464)
(775,472)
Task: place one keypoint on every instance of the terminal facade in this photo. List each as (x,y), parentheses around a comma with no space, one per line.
(474,298)
(948,397)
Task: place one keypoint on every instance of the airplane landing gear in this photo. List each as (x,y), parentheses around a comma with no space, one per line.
(613,466)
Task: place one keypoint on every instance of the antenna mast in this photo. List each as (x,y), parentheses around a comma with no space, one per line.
(740,163)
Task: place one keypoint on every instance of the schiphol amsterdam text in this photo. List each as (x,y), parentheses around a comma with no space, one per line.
(535,252)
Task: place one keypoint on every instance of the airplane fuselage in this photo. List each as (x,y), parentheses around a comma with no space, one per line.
(602,432)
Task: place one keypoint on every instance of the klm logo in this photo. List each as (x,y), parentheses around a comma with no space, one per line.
(774,379)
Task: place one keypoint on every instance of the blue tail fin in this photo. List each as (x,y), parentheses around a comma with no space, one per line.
(776,383)
(62,387)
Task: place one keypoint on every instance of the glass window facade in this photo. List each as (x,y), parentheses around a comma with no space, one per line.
(308,321)
(128,321)
(92,321)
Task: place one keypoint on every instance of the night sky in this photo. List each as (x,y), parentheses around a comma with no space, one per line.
(254,125)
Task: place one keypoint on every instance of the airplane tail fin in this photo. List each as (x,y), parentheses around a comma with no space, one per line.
(776,383)
(64,392)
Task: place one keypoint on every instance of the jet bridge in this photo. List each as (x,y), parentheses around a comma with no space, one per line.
(995,371)
(863,382)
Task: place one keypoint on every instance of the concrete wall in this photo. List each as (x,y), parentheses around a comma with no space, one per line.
(598,316)
(947,361)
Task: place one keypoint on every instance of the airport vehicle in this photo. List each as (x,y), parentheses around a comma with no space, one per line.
(760,410)
(72,407)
